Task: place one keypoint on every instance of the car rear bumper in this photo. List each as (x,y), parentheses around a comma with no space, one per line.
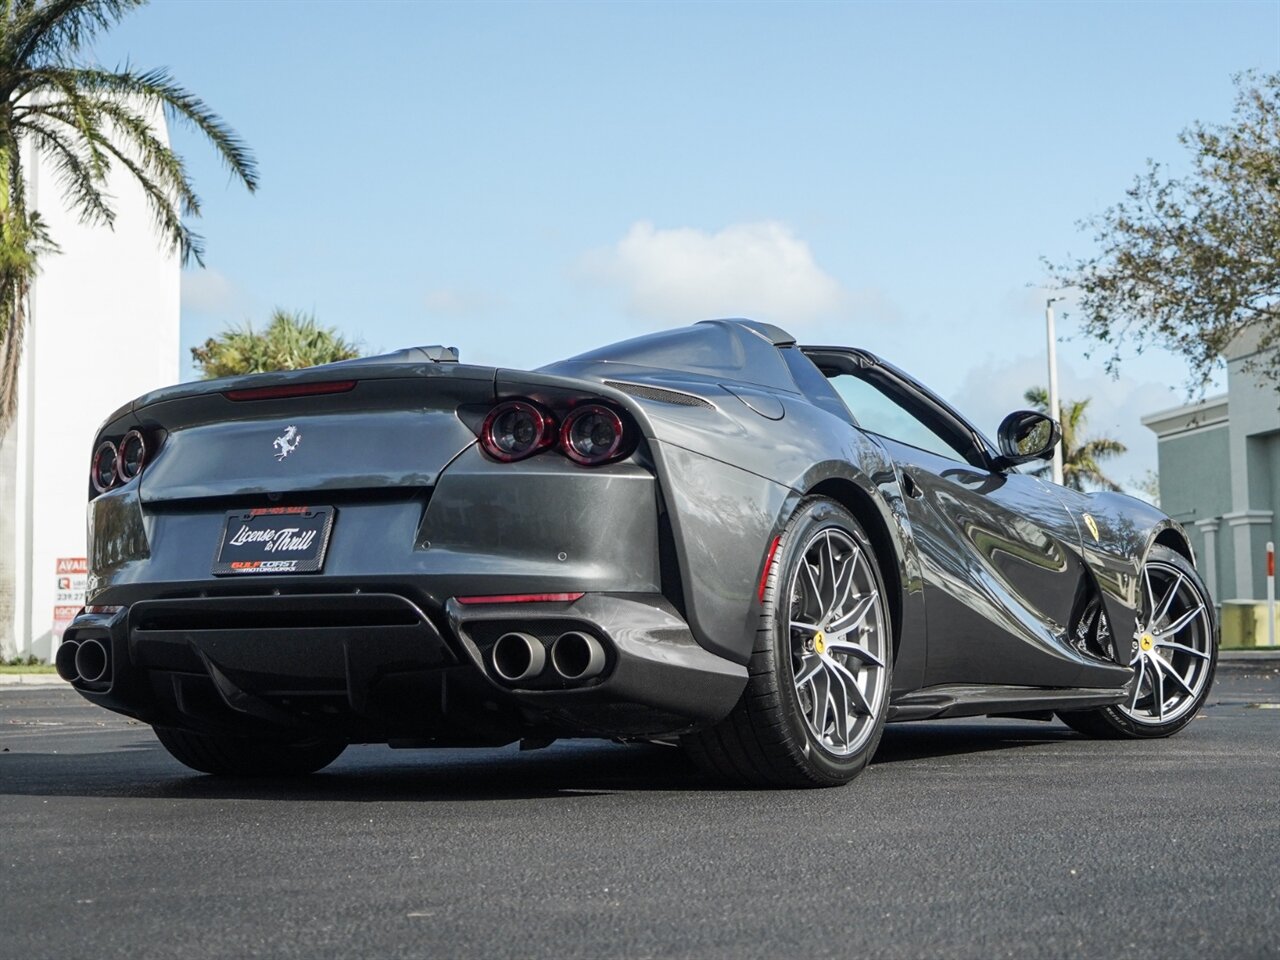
(387,664)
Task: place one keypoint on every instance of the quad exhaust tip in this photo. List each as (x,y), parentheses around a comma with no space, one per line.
(64,661)
(91,661)
(518,656)
(577,656)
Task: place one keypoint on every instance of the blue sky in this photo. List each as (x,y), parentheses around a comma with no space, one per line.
(528,180)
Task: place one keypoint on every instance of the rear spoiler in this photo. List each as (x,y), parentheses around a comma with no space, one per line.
(435,353)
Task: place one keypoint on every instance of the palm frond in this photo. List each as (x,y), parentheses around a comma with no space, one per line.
(107,127)
(1073,412)
(123,123)
(80,182)
(159,158)
(1103,447)
(290,341)
(87,121)
(57,28)
(1080,456)
(189,244)
(158,87)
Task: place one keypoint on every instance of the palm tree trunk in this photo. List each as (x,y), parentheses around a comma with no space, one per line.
(17,263)
(8,544)
(10,353)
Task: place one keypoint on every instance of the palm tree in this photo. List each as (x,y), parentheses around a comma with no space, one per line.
(292,340)
(1080,457)
(85,121)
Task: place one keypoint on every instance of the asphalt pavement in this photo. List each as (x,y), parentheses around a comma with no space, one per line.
(963,839)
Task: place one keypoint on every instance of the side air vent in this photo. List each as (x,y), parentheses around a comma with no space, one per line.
(657,394)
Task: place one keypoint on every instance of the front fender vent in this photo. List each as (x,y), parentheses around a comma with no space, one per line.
(658,394)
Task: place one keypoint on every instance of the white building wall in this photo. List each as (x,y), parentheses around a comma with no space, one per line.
(105,328)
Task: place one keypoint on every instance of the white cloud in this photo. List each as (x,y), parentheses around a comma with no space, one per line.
(207,291)
(758,270)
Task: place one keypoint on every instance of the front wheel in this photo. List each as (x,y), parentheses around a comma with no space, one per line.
(1175,653)
(242,757)
(818,691)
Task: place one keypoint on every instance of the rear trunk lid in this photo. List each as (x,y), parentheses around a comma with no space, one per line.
(376,426)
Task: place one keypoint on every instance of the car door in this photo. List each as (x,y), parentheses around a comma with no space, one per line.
(1002,566)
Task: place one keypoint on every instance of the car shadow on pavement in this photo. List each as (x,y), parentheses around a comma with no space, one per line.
(373,774)
(935,740)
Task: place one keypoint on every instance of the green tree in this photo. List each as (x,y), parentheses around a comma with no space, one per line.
(1148,487)
(86,121)
(1191,263)
(1080,456)
(292,340)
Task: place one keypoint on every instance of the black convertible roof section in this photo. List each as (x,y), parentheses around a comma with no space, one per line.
(745,351)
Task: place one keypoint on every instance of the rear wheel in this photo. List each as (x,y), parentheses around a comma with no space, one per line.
(241,757)
(818,692)
(1174,656)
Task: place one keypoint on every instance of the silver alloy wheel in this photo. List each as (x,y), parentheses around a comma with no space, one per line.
(1172,647)
(838,642)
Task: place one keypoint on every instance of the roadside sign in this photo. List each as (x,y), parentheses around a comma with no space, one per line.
(72,572)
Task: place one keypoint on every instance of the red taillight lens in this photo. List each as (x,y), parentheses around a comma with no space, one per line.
(516,429)
(593,435)
(102,468)
(130,456)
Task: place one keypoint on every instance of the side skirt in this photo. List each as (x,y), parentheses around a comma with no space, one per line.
(976,700)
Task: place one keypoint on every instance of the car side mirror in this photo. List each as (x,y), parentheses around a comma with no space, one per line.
(1027,435)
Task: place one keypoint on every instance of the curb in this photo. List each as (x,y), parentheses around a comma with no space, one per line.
(1263,655)
(32,681)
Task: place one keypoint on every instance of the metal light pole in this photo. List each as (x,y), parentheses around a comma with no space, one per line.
(1055,410)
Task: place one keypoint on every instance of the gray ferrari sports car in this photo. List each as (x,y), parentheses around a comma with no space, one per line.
(711,535)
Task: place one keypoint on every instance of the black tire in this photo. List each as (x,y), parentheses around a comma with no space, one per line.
(767,740)
(1112,723)
(240,757)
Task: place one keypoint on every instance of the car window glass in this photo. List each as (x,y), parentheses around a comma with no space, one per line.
(879,413)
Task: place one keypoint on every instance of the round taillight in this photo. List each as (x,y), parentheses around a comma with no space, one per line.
(592,435)
(516,429)
(102,468)
(130,456)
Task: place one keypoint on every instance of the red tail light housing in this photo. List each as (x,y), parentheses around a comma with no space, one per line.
(592,435)
(517,429)
(131,456)
(102,468)
(118,460)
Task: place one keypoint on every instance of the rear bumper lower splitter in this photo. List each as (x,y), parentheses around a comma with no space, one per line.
(377,666)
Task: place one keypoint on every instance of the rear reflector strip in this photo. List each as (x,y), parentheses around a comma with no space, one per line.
(291,390)
(523,598)
(768,563)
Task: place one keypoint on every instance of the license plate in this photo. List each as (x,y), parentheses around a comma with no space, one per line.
(274,540)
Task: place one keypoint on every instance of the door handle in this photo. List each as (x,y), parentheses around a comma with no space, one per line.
(910,487)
